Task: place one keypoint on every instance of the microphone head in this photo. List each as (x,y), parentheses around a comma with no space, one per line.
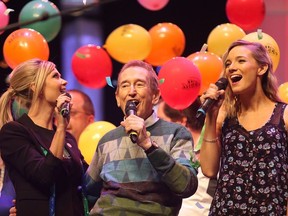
(130,108)
(67,94)
(222,83)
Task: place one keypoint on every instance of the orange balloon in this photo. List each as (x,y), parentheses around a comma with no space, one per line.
(222,36)
(283,92)
(168,41)
(210,66)
(128,42)
(269,43)
(24,44)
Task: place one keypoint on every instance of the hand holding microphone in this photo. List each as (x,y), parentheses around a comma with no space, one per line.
(130,109)
(201,112)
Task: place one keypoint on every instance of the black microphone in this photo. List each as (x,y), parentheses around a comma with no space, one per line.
(65,108)
(201,112)
(130,109)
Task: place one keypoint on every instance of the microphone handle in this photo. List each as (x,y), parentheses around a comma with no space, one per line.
(201,112)
(65,111)
(133,136)
(131,110)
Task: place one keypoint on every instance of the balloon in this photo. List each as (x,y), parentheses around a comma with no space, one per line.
(24,44)
(269,43)
(4,18)
(168,41)
(246,14)
(34,9)
(283,92)
(89,138)
(128,42)
(91,65)
(180,82)
(222,36)
(153,5)
(210,66)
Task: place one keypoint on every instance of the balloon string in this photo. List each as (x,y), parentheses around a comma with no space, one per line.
(7,11)
(204,47)
(46,16)
(259,34)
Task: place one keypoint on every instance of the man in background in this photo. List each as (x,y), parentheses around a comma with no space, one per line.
(199,203)
(82,113)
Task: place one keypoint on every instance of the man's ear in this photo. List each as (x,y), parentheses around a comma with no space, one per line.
(156,98)
(117,99)
(91,118)
(184,121)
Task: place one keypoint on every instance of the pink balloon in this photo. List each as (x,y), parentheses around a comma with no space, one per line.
(153,5)
(4,17)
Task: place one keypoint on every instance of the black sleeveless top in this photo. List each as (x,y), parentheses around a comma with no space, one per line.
(253,174)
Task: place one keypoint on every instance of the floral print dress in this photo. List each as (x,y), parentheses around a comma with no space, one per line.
(253,174)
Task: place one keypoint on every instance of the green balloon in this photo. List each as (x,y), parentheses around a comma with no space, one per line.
(50,25)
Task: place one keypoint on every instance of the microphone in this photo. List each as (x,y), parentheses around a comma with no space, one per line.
(130,109)
(65,108)
(201,112)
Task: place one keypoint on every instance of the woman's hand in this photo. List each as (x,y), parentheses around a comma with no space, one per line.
(62,121)
(215,94)
(12,210)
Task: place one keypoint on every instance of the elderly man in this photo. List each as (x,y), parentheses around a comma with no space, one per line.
(148,175)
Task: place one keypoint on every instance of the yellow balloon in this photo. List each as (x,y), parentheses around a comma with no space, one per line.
(222,36)
(269,43)
(90,137)
(283,92)
(128,42)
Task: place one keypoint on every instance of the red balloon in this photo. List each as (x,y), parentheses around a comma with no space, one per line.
(210,66)
(91,65)
(246,14)
(180,82)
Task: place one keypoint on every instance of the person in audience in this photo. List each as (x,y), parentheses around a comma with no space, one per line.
(81,114)
(199,203)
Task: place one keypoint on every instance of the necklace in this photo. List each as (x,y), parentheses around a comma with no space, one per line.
(2,172)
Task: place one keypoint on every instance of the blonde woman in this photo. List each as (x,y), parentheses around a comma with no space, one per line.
(43,160)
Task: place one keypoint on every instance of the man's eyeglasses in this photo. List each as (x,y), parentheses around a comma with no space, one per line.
(75,112)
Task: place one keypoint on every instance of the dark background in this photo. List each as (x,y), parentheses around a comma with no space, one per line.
(195,18)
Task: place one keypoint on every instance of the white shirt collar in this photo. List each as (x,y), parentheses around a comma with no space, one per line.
(151,119)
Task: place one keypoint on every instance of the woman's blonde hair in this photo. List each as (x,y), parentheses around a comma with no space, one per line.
(32,72)
(231,103)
